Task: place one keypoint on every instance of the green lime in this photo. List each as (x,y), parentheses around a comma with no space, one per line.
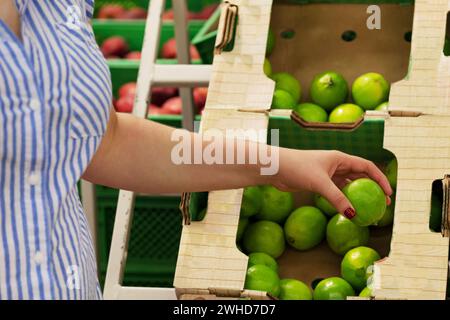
(368,199)
(243,223)
(329,89)
(266,237)
(346,113)
(324,205)
(391,173)
(271,40)
(262,278)
(305,228)
(383,107)
(287,82)
(201,215)
(267,67)
(276,204)
(366,293)
(436,213)
(292,289)
(355,265)
(343,235)
(388,217)
(311,112)
(252,199)
(283,100)
(264,259)
(370,90)
(333,289)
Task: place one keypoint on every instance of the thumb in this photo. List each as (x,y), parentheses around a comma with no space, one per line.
(335,196)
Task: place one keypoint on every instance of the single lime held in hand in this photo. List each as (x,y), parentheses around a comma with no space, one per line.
(388,217)
(368,199)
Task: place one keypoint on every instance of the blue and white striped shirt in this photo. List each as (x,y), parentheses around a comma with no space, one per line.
(55,99)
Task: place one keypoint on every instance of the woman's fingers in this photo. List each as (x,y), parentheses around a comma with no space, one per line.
(363,166)
(341,180)
(335,196)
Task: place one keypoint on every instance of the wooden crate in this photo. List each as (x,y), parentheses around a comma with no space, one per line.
(416,132)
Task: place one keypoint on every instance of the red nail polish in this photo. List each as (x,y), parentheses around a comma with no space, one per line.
(350,213)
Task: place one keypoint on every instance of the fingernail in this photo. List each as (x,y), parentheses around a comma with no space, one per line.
(350,213)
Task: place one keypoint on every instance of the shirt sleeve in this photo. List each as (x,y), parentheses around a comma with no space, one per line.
(90,7)
(21,5)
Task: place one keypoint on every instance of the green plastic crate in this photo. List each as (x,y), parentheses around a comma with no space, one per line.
(123,71)
(193,5)
(154,240)
(205,39)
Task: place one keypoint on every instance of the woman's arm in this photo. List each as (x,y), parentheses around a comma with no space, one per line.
(136,154)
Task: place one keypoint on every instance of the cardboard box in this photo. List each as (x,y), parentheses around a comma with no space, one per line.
(415,132)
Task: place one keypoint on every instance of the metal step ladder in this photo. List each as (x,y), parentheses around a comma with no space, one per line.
(182,75)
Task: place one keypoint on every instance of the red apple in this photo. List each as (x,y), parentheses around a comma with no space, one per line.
(200,95)
(135,13)
(114,46)
(111,11)
(207,12)
(134,55)
(169,50)
(168,15)
(153,110)
(161,95)
(173,106)
(125,104)
(128,89)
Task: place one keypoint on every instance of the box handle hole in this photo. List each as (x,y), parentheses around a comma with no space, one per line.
(349,36)
(288,34)
(408,36)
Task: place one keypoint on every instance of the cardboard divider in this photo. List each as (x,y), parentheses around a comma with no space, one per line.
(325,125)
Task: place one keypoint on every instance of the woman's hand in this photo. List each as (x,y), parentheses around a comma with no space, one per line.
(325,173)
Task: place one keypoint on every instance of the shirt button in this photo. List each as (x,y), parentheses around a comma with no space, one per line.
(35,104)
(39,257)
(33,178)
